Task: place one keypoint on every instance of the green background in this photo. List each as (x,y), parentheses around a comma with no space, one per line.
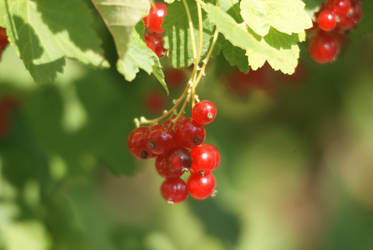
(296,170)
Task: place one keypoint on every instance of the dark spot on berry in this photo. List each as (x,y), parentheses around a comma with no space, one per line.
(151,144)
(144,154)
(197,139)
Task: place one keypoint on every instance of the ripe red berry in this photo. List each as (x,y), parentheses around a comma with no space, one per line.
(163,169)
(160,140)
(169,123)
(341,7)
(326,20)
(3,39)
(205,157)
(324,48)
(189,134)
(155,102)
(153,22)
(175,78)
(154,42)
(204,112)
(353,18)
(201,186)
(137,143)
(179,159)
(174,190)
(242,84)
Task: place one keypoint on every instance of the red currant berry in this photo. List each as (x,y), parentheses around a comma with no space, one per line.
(205,157)
(175,78)
(324,48)
(201,186)
(154,42)
(155,102)
(242,84)
(170,122)
(341,7)
(3,40)
(179,159)
(204,112)
(160,140)
(137,143)
(163,169)
(353,17)
(189,134)
(326,20)
(174,190)
(153,22)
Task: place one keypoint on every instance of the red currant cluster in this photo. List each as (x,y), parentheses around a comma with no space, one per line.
(334,19)
(3,40)
(153,22)
(177,146)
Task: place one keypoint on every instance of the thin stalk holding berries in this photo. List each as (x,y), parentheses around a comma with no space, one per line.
(197,73)
(178,142)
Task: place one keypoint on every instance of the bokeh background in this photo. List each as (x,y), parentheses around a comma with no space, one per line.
(296,170)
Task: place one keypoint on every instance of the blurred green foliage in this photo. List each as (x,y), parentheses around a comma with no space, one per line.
(296,171)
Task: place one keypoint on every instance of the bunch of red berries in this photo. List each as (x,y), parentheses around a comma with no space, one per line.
(335,18)
(178,148)
(3,40)
(153,22)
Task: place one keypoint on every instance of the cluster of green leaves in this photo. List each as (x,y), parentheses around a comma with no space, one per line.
(253,32)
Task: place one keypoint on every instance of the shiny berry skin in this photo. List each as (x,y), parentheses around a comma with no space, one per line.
(189,134)
(200,186)
(153,22)
(179,159)
(174,190)
(326,20)
(205,157)
(160,140)
(204,112)
(341,7)
(163,169)
(175,78)
(169,123)
(137,143)
(353,18)
(324,48)
(154,42)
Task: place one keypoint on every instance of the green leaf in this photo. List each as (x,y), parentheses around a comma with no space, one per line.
(121,17)
(234,55)
(177,36)
(286,16)
(227,4)
(313,6)
(278,49)
(45,32)
(30,235)
(283,52)
(137,56)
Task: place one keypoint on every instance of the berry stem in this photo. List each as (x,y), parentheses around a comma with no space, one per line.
(197,73)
